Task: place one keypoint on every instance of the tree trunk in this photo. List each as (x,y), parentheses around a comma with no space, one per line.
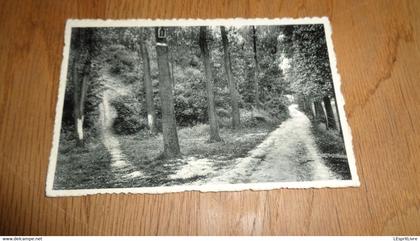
(234,96)
(148,88)
(214,127)
(308,108)
(257,70)
(329,112)
(319,113)
(80,89)
(170,135)
(171,69)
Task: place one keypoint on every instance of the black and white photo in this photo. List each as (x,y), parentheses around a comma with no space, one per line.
(154,106)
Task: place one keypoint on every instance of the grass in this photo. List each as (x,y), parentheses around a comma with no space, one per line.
(331,145)
(82,167)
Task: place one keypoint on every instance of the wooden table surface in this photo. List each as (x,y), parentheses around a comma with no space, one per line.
(377,44)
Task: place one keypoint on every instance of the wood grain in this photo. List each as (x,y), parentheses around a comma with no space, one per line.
(377,45)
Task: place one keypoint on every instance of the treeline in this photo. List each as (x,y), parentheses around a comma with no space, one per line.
(310,73)
(182,76)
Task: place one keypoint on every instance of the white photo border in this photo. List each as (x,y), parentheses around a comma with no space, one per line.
(73,23)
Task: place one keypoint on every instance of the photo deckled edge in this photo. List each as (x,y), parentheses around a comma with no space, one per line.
(354,182)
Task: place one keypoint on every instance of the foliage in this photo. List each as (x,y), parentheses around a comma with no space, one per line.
(257,117)
(110,57)
(121,60)
(310,73)
(128,120)
(332,147)
(190,97)
(84,64)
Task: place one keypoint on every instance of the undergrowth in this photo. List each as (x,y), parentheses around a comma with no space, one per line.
(331,145)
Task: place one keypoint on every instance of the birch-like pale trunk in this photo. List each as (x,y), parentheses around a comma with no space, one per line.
(148,87)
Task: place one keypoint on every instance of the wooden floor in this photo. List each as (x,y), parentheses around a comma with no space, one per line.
(377,45)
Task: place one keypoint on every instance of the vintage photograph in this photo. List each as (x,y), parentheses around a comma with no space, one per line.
(153,106)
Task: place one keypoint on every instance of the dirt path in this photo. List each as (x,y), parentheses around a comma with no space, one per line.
(288,154)
(121,167)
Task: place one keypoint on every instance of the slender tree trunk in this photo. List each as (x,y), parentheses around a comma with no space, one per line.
(257,70)
(148,88)
(308,107)
(214,127)
(234,96)
(340,129)
(329,112)
(319,112)
(170,135)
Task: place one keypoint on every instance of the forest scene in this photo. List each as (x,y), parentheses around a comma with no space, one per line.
(196,105)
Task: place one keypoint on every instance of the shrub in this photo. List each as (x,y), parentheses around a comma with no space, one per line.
(253,117)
